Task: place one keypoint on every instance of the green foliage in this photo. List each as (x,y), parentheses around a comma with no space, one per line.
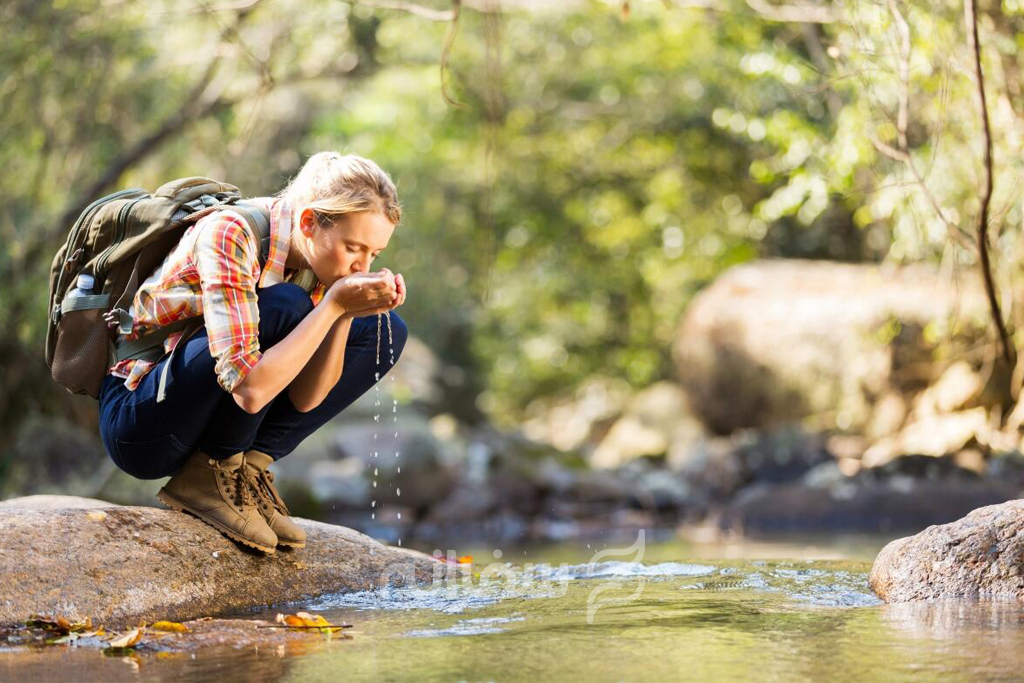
(594,175)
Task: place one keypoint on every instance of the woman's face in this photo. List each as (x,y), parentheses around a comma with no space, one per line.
(349,246)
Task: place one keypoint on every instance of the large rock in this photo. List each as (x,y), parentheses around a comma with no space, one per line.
(857,504)
(775,341)
(979,555)
(121,565)
(654,421)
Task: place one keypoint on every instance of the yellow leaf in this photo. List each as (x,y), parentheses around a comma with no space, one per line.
(170,626)
(305,620)
(130,639)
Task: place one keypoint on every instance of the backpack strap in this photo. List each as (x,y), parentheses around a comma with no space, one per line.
(259,222)
(150,346)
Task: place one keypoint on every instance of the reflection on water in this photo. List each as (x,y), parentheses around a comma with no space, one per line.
(671,618)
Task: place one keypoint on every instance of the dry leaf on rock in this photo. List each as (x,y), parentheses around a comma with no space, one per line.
(130,639)
(171,626)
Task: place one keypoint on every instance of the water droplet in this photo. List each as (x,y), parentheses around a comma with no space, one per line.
(375,471)
(399,515)
(373,503)
(373,515)
(399,470)
(399,490)
(374,484)
(399,542)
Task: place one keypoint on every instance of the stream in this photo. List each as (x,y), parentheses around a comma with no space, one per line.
(745,611)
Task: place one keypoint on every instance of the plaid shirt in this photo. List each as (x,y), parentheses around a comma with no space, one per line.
(214,272)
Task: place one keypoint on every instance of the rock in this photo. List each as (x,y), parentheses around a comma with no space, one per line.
(48,502)
(259,647)
(628,439)
(339,481)
(979,555)
(656,420)
(857,504)
(1008,467)
(661,489)
(342,470)
(52,455)
(782,454)
(958,388)
(600,486)
(568,422)
(124,489)
(122,565)
(777,341)
(416,372)
(712,466)
(887,416)
(465,503)
(933,435)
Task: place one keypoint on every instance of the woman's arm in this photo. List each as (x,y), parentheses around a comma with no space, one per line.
(323,370)
(281,363)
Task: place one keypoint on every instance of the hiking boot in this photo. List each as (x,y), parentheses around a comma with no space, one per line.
(270,503)
(220,492)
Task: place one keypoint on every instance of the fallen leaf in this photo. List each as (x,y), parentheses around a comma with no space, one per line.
(465,559)
(305,620)
(130,639)
(59,625)
(170,626)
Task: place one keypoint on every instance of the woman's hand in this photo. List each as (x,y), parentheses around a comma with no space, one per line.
(362,294)
(397,300)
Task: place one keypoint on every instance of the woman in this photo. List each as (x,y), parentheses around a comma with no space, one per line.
(273,362)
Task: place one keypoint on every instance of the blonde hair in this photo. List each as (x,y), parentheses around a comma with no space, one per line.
(333,185)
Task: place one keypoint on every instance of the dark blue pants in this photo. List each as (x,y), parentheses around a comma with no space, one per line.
(150,440)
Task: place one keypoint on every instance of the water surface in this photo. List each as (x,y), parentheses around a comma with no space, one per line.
(680,614)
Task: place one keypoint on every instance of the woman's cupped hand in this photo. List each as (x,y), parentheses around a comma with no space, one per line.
(362,294)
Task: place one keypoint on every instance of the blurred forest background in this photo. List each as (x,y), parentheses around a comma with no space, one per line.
(700,261)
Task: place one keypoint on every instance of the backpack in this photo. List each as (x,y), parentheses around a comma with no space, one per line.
(116,239)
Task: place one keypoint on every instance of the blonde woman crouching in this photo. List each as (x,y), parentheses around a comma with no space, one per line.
(273,361)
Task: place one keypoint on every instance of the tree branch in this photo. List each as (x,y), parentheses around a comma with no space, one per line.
(971,21)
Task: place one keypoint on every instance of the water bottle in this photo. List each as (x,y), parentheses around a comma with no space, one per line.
(84,286)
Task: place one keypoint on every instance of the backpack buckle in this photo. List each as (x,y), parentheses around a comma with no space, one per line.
(121,318)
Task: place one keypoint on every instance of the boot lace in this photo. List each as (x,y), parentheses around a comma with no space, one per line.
(237,483)
(264,488)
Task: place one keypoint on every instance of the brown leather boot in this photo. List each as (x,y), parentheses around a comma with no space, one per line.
(220,492)
(270,503)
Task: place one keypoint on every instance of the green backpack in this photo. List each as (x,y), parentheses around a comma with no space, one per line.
(118,239)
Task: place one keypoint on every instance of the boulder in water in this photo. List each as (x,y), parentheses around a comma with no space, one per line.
(980,555)
(122,565)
